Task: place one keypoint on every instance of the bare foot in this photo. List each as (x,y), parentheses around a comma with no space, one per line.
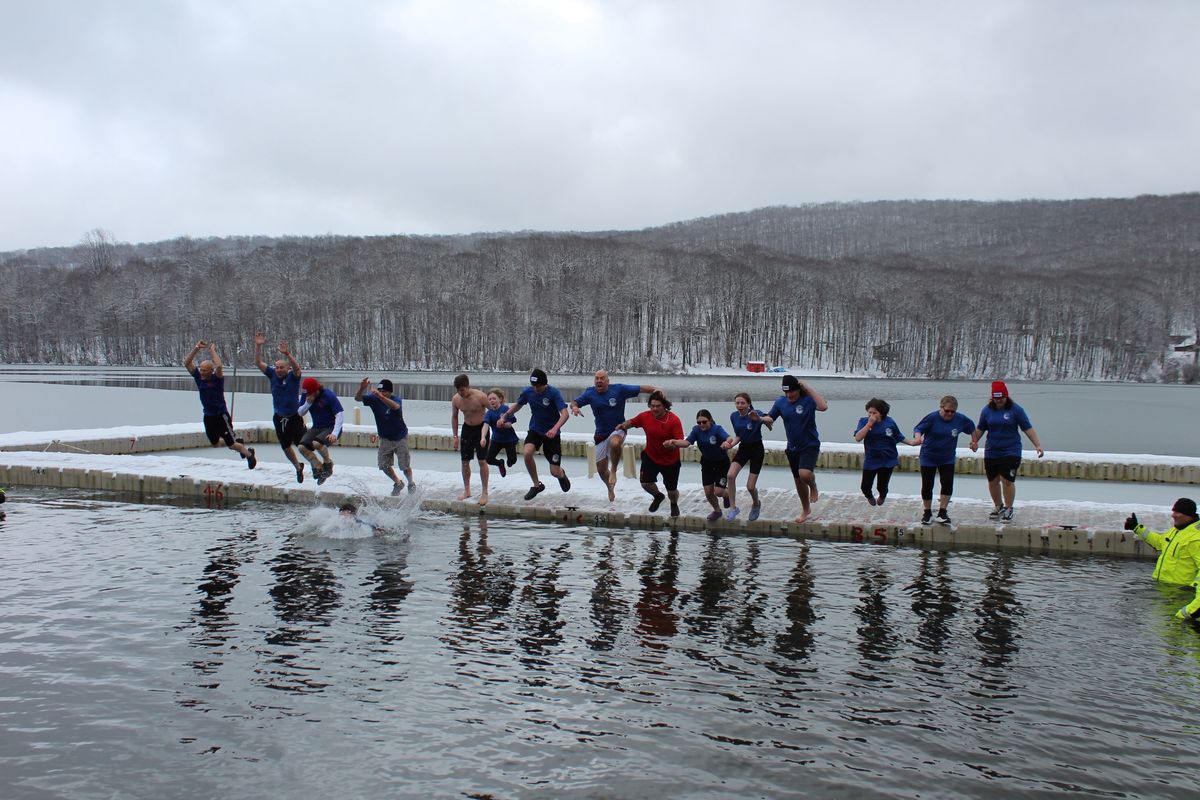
(483,499)
(466,493)
(612,489)
(812,495)
(803,516)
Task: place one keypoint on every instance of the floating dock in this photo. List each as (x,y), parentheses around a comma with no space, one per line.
(101,461)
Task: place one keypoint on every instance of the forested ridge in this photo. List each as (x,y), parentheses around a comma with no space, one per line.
(1085,289)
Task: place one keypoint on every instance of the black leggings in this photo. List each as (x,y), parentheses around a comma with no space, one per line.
(945,473)
(494,450)
(884,475)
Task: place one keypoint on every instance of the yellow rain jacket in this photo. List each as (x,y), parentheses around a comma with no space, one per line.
(1178,559)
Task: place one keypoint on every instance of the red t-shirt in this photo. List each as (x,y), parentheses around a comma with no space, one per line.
(657,432)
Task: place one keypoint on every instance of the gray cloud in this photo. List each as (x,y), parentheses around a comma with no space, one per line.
(154,120)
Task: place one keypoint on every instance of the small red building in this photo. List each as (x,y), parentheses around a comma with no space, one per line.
(756,366)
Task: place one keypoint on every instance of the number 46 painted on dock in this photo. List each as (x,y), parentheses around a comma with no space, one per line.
(214,493)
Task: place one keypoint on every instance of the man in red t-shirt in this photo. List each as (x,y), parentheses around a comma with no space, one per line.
(661,454)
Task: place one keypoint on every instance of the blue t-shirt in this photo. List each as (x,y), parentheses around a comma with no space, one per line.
(709,442)
(799,421)
(285,391)
(745,429)
(941,437)
(499,435)
(544,408)
(1003,426)
(324,409)
(388,421)
(212,393)
(609,407)
(879,445)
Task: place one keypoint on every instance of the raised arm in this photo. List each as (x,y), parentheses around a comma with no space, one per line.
(817,397)
(292,362)
(189,361)
(362,390)
(218,365)
(260,339)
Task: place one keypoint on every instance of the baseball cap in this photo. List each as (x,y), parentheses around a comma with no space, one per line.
(790,384)
(385,385)
(537,377)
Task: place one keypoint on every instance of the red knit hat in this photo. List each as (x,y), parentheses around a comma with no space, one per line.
(310,385)
(999,390)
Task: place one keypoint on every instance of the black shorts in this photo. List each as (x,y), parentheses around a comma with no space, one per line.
(314,438)
(714,473)
(651,470)
(470,443)
(1002,467)
(803,459)
(289,430)
(751,453)
(551,448)
(217,427)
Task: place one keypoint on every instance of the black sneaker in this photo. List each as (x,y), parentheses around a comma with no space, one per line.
(882,497)
(725,501)
(503,469)
(534,491)
(943,517)
(927,517)
(397,488)
(1006,515)
(251,461)
(674,509)
(300,474)
(996,512)
(565,483)
(328,469)
(657,501)
(320,475)
(412,488)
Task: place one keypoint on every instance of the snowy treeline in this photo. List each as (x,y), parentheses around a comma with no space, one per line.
(1057,290)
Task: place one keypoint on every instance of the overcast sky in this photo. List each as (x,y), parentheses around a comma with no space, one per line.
(155,119)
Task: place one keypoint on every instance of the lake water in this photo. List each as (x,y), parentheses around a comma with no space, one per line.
(1077,417)
(263,651)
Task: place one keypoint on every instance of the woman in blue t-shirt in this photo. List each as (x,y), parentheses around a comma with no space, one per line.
(747,438)
(879,435)
(1003,420)
(714,458)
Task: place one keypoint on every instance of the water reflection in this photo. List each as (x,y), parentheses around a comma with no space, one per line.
(539,619)
(657,619)
(935,603)
(876,641)
(212,616)
(389,586)
(996,631)
(713,590)
(482,586)
(305,594)
(753,601)
(796,641)
(609,609)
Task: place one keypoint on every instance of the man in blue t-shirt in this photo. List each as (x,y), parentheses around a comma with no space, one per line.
(327,417)
(393,433)
(548,413)
(210,381)
(608,407)
(797,409)
(285,377)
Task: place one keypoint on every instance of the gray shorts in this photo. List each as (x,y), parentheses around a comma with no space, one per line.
(602,447)
(397,448)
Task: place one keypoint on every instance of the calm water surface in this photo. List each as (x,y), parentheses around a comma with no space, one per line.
(1076,417)
(160,651)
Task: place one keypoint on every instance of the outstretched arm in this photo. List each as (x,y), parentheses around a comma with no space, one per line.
(218,365)
(292,362)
